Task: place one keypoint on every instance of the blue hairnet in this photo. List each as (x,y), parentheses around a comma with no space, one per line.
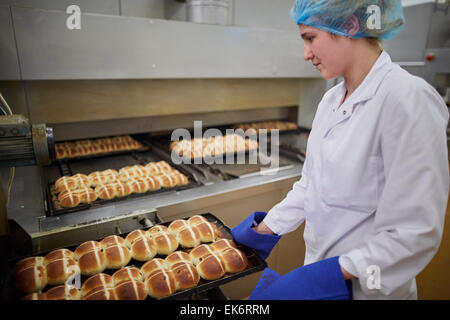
(381,19)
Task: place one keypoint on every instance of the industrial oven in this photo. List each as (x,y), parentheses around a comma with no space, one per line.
(97,81)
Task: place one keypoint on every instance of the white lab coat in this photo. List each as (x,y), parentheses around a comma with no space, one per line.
(375,182)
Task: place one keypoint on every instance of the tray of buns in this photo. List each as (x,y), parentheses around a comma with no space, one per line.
(92,148)
(215,149)
(171,260)
(75,185)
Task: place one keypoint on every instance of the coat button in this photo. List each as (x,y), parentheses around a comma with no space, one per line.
(344,112)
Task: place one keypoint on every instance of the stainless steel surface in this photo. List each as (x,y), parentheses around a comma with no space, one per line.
(40,145)
(103,49)
(208,11)
(410,44)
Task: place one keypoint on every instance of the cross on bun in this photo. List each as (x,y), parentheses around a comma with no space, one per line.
(121,189)
(234,260)
(58,271)
(35,296)
(117,254)
(30,278)
(99,280)
(197,219)
(176,258)
(189,237)
(210,267)
(91,258)
(222,244)
(131,290)
(208,231)
(142,247)
(69,199)
(186,275)
(63,292)
(176,225)
(86,194)
(153,266)
(105,191)
(127,274)
(166,243)
(65,183)
(161,284)
(101,293)
(200,252)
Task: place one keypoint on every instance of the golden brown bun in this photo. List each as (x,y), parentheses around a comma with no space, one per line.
(143,249)
(31,279)
(101,293)
(135,235)
(131,290)
(35,296)
(200,252)
(157,229)
(121,189)
(197,219)
(161,284)
(166,243)
(222,244)
(127,274)
(153,266)
(186,275)
(210,267)
(117,256)
(69,199)
(99,280)
(177,257)
(86,247)
(58,271)
(113,240)
(152,183)
(137,185)
(189,237)
(65,183)
(28,262)
(63,292)
(208,231)
(81,180)
(176,225)
(105,191)
(92,262)
(234,260)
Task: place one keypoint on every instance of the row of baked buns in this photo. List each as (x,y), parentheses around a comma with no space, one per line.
(157,278)
(113,252)
(70,191)
(87,147)
(267,125)
(212,146)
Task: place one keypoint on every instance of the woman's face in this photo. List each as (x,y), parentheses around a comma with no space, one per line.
(330,55)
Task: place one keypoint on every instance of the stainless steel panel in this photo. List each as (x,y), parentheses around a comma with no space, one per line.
(143,8)
(96,6)
(110,47)
(409,45)
(9,63)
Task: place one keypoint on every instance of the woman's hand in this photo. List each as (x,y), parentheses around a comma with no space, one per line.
(263,228)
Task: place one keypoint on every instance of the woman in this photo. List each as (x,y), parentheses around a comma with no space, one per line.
(375,182)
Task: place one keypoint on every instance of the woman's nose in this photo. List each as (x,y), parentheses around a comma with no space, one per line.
(307,53)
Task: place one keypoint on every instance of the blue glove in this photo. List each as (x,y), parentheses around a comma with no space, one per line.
(321,280)
(262,243)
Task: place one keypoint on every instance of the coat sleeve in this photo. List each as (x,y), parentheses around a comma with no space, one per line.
(410,214)
(289,214)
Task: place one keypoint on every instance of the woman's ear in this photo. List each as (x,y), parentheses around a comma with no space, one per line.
(352,25)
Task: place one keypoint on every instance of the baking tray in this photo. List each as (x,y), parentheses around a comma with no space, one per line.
(163,143)
(144,147)
(255,264)
(71,166)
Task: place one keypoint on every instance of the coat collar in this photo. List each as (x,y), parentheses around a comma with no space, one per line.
(367,89)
